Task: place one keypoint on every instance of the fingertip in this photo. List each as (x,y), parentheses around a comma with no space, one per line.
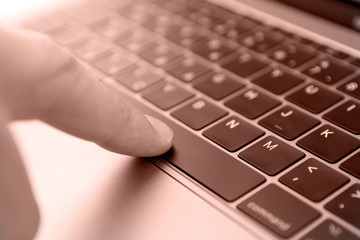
(161,129)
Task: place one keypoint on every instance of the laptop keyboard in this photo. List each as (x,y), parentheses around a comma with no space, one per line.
(269,105)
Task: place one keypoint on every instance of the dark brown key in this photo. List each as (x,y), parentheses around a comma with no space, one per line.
(217,85)
(260,40)
(346,205)
(221,173)
(329,143)
(158,53)
(330,230)
(314,98)
(186,69)
(291,55)
(111,62)
(233,133)
(252,103)
(289,122)
(278,81)
(352,165)
(137,78)
(271,155)
(347,115)
(314,180)
(167,96)
(333,52)
(212,49)
(244,65)
(232,26)
(327,71)
(199,114)
(352,87)
(279,211)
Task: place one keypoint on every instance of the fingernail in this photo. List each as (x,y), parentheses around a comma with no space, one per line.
(161,129)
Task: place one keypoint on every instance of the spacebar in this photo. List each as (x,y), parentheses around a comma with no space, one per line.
(223,174)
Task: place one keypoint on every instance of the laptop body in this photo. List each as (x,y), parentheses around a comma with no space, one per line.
(85,192)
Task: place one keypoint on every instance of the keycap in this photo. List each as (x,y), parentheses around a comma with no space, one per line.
(110,28)
(199,114)
(186,36)
(232,26)
(352,165)
(88,48)
(314,180)
(244,65)
(161,23)
(212,49)
(346,205)
(271,155)
(356,62)
(327,71)
(329,143)
(352,87)
(158,53)
(133,39)
(330,230)
(291,55)
(289,122)
(221,173)
(186,69)
(64,35)
(217,85)
(137,78)
(314,98)
(260,40)
(278,81)
(168,95)
(278,210)
(347,116)
(233,133)
(252,103)
(111,62)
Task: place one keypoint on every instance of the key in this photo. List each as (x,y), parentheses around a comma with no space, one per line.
(352,165)
(233,26)
(278,210)
(199,114)
(110,28)
(327,71)
(217,85)
(111,62)
(333,52)
(186,36)
(260,40)
(158,53)
(314,98)
(244,65)
(329,143)
(314,180)
(186,69)
(212,49)
(168,96)
(352,87)
(133,39)
(64,35)
(221,173)
(87,48)
(347,116)
(252,103)
(271,155)
(356,62)
(233,133)
(291,55)
(137,78)
(162,24)
(346,205)
(289,122)
(277,81)
(330,230)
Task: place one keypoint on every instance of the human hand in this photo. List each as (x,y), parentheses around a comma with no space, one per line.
(40,80)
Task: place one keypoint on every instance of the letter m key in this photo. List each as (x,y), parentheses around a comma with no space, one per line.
(269,146)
